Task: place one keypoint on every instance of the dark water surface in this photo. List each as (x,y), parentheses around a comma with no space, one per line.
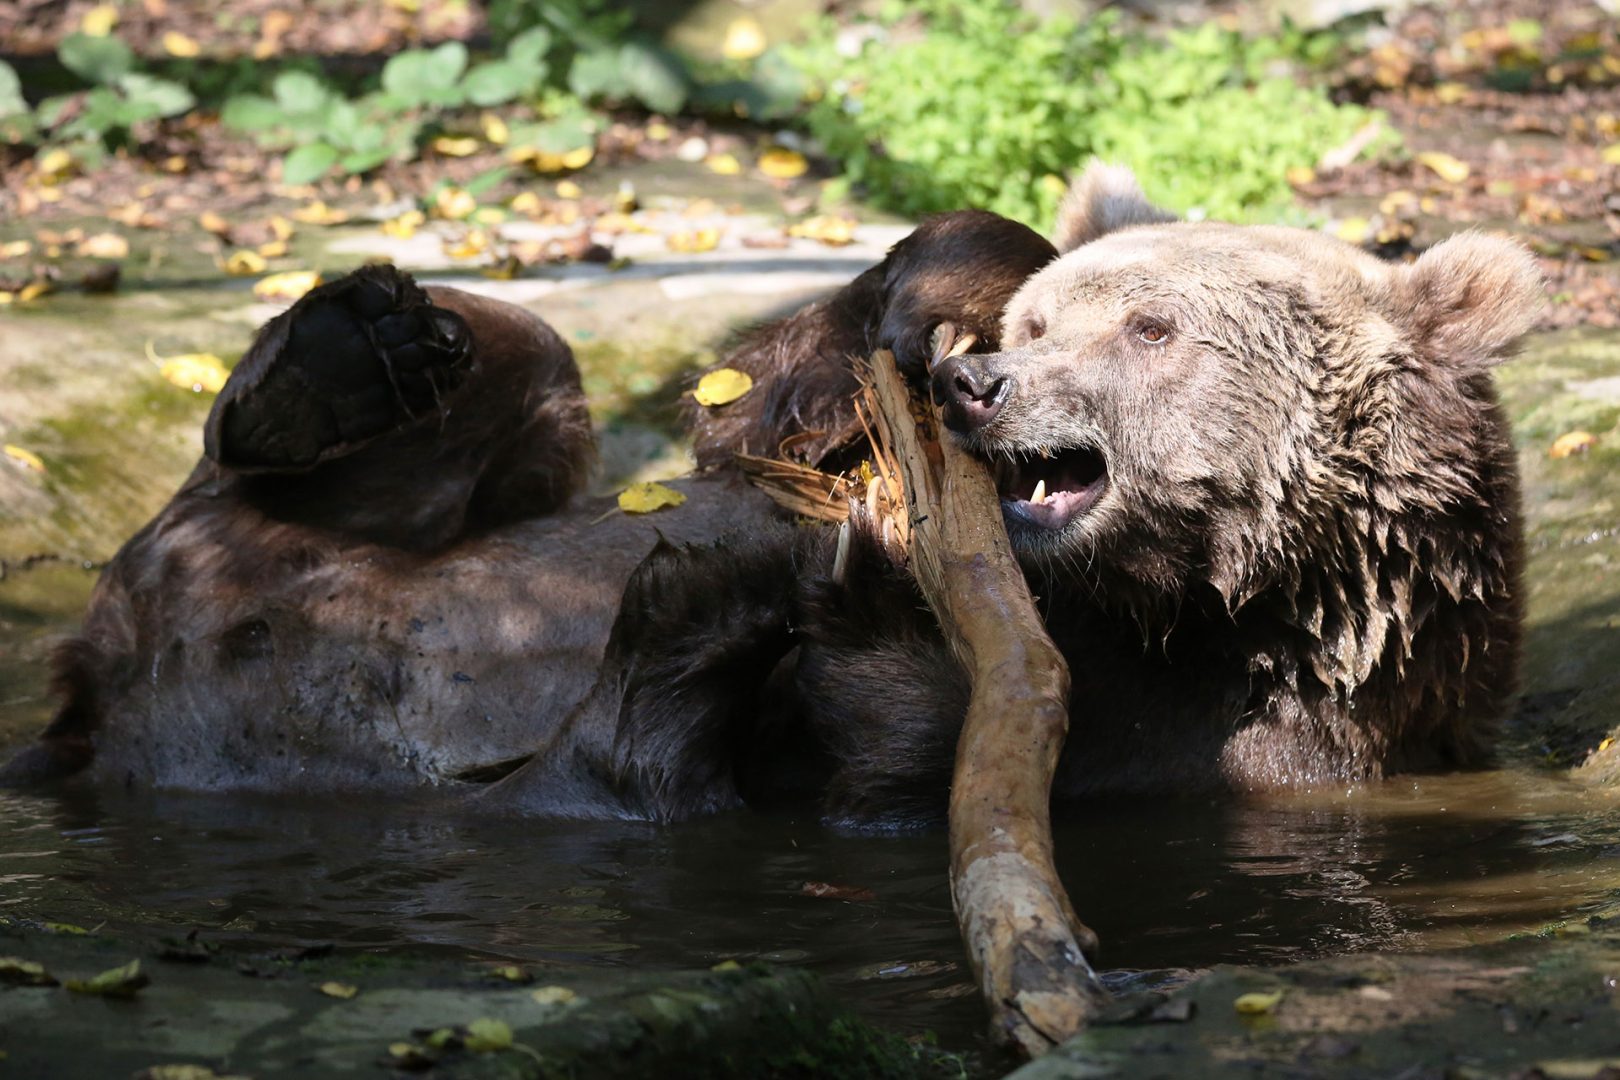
(1413,863)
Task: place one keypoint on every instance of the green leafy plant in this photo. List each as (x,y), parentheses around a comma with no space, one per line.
(979,103)
(16,119)
(322,129)
(120,96)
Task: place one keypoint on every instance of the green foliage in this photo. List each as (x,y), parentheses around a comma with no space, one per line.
(978,103)
(322,129)
(120,98)
(16,121)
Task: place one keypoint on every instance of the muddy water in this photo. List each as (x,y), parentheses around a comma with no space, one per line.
(1420,863)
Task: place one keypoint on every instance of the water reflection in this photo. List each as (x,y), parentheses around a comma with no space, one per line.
(1168,884)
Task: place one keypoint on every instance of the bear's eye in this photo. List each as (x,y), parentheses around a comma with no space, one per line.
(1034,327)
(1152,333)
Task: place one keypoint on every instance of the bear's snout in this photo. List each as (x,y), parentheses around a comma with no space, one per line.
(971,397)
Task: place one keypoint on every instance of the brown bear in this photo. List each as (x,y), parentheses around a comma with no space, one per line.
(1264,491)
(375,578)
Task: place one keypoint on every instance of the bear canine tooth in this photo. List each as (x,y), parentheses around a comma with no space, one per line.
(1040,493)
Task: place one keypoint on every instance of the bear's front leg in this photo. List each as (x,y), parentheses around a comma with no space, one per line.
(880,689)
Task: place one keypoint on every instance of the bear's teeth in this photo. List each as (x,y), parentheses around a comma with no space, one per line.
(1040,493)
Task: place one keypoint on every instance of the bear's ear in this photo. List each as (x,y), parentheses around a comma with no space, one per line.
(1103,199)
(1468,299)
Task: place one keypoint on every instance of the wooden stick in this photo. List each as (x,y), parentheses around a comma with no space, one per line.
(1026,945)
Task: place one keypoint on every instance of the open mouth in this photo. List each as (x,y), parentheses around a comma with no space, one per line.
(1048,492)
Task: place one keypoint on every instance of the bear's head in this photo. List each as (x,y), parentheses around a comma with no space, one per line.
(1179,403)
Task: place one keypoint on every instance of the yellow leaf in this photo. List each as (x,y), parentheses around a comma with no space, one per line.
(52,165)
(1571,443)
(474,244)
(33,291)
(281,228)
(1353,230)
(15,971)
(1444,166)
(103,246)
(722,386)
(116,982)
(745,39)
(693,242)
(567,189)
(553,995)
(1300,175)
(26,458)
(727,965)
(289,285)
(578,159)
(1257,1004)
(486,1036)
(177,44)
(723,164)
(1449,93)
(341,991)
(404,227)
(658,131)
(99,20)
(1593,254)
(511,973)
(825,228)
(183,1072)
(272,249)
(1605,744)
(16,249)
(780,163)
(1611,154)
(176,163)
(318,213)
(526,203)
(454,203)
(214,223)
(244,263)
(197,372)
(648,497)
(449,146)
(494,128)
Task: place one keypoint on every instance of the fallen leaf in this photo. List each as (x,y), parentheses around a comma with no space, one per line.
(1257,1004)
(829,229)
(1353,230)
(273,249)
(103,246)
(289,285)
(454,203)
(694,242)
(511,973)
(33,291)
(1611,154)
(244,263)
(723,164)
(1446,167)
(1571,443)
(54,164)
(567,189)
(494,129)
(722,386)
(318,213)
(177,44)
(727,965)
(16,249)
(780,163)
(405,225)
(826,890)
(214,223)
(553,995)
(451,146)
(488,1035)
(72,929)
(15,971)
(26,458)
(470,246)
(99,20)
(197,372)
(339,990)
(526,203)
(744,40)
(1605,744)
(119,982)
(645,498)
(1300,175)
(184,1072)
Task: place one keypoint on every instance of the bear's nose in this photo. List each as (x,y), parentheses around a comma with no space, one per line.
(971,398)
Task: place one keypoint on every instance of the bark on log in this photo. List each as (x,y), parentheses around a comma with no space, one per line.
(1026,945)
